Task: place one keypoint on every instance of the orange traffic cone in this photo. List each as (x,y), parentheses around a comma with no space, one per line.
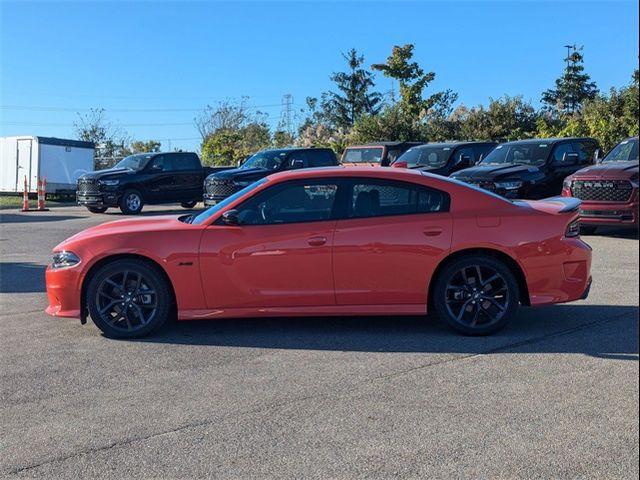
(25,196)
(42,187)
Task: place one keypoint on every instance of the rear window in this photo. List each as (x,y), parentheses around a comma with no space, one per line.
(363,155)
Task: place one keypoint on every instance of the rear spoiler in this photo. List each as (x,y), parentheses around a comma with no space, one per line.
(555,205)
(571,204)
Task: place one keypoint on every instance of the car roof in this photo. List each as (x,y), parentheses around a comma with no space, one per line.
(292,149)
(549,140)
(342,171)
(454,144)
(384,144)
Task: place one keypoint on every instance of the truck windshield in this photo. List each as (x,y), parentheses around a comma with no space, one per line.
(625,151)
(134,162)
(211,211)
(426,157)
(362,155)
(271,160)
(518,154)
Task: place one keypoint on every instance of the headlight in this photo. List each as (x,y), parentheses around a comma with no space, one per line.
(109,183)
(65,259)
(241,183)
(510,185)
(567,183)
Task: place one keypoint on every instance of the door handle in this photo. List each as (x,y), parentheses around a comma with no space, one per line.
(317,241)
(432,232)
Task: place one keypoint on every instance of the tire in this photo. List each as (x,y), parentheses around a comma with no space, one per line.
(97,209)
(475,309)
(587,229)
(128,299)
(189,204)
(131,202)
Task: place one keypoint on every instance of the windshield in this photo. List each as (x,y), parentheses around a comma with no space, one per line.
(134,162)
(363,155)
(205,215)
(528,153)
(434,157)
(270,159)
(623,152)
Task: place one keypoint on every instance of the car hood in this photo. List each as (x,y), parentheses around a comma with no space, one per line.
(119,227)
(608,170)
(97,174)
(241,174)
(494,172)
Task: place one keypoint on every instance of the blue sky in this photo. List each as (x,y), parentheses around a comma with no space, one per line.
(154,65)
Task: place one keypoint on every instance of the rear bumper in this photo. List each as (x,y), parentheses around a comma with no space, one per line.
(63,292)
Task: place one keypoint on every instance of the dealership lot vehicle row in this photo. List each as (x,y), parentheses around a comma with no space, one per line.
(555,393)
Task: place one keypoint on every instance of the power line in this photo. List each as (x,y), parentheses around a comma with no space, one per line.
(117,110)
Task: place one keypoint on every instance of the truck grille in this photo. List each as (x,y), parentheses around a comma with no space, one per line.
(87,187)
(219,188)
(602,190)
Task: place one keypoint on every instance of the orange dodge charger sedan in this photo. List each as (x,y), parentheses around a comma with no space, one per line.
(328,241)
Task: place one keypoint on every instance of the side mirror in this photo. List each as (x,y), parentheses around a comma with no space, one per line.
(570,158)
(597,156)
(465,160)
(239,163)
(230,217)
(297,163)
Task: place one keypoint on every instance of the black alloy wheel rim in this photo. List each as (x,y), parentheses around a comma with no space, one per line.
(477,296)
(126,301)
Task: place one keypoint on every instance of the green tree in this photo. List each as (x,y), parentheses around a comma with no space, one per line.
(226,146)
(140,146)
(355,99)
(282,139)
(506,118)
(573,88)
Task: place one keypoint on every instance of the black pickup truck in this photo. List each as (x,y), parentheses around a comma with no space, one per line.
(444,158)
(219,185)
(531,169)
(145,178)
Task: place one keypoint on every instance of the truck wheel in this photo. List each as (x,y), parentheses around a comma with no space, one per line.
(131,202)
(97,209)
(476,295)
(128,298)
(188,204)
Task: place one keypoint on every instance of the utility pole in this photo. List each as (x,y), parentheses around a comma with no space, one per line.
(287,110)
(569,48)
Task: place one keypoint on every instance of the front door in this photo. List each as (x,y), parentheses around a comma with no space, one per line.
(280,253)
(385,252)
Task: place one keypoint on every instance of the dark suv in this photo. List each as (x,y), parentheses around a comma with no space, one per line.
(220,185)
(376,154)
(531,169)
(164,177)
(444,158)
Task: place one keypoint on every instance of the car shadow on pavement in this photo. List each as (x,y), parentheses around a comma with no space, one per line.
(614,232)
(34,217)
(150,213)
(605,331)
(21,277)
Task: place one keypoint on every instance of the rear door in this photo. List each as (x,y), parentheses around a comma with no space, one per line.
(24,164)
(187,176)
(561,167)
(389,242)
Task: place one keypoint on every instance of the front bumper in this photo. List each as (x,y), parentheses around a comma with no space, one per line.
(63,292)
(610,214)
(97,199)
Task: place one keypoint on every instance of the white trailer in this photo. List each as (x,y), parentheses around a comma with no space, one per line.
(57,160)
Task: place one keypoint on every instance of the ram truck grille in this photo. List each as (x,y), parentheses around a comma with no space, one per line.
(602,190)
(87,187)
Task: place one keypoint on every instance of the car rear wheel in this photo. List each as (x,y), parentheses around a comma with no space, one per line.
(476,295)
(131,202)
(188,204)
(128,299)
(97,209)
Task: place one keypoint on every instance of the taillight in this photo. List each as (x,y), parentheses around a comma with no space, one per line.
(573,229)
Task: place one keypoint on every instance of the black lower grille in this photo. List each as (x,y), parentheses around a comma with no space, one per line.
(88,187)
(602,190)
(220,188)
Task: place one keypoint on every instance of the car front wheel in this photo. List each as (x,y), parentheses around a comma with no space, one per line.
(131,202)
(128,299)
(476,295)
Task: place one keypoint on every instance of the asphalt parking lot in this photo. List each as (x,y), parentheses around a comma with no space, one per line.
(553,395)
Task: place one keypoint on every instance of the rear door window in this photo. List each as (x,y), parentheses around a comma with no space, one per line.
(320,158)
(378,198)
(585,150)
